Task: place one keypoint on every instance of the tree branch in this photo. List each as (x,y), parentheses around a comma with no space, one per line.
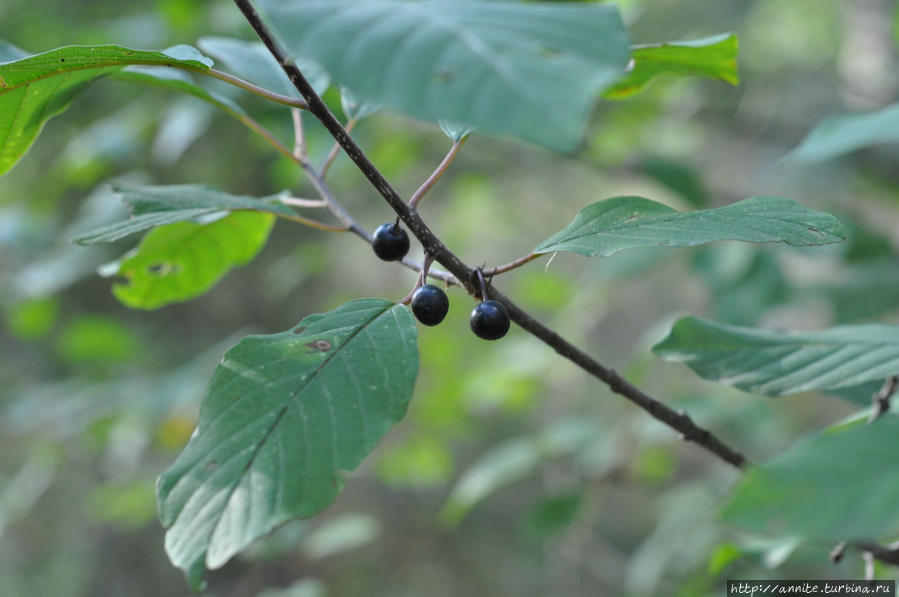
(888,554)
(432,245)
(881,400)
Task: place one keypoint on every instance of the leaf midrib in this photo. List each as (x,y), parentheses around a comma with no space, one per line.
(281,413)
(172,63)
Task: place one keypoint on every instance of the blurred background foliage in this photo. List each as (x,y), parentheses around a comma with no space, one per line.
(514,473)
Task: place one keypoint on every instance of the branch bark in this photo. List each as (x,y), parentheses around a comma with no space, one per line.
(466,275)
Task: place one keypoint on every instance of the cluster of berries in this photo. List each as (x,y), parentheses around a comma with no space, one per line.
(489,319)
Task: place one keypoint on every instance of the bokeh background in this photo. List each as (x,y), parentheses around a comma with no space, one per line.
(514,473)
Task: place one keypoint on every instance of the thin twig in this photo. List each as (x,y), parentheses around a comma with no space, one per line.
(501,269)
(308,203)
(335,149)
(678,420)
(437,173)
(888,554)
(881,400)
(252,88)
(313,223)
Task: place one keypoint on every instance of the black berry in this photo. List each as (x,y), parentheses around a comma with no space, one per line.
(490,320)
(390,242)
(429,304)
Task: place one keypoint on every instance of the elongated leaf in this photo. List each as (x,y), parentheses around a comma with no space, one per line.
(154,206)
(285,414)
(513,461)
(253,62)
(837,485)
(530,70)
(181,261)
(777,363)
(713,57)
(839,135)
(628,222)
(36,88)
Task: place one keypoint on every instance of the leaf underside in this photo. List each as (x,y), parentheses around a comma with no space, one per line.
(529,70)
(285,414)
(620,223)
(253,62)
(153,206)
(778,363)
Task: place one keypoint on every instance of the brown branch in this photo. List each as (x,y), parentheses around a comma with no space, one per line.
(881,400)
(432,245)
(888,554)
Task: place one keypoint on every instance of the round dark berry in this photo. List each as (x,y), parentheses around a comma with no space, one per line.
(490,320)
(390,242)
(429,304)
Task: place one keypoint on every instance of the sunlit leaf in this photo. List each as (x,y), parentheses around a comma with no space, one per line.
(712,57)
(832,486)
(38,87)
(153,206)
(530,70)
(181,261)
(628,222)
(285,414)
(777,363)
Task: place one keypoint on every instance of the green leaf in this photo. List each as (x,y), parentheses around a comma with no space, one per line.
(512,461)
(153,206)
(355,108)
(778,363)
(839,135)
(455,131)
(550,516)
(253,62)
(181,261)
(38,87)
(285,414)
(836,485)
(628,222)
(712,57)
(529,70)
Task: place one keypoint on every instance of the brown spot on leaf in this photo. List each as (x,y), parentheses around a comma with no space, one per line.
(321,345)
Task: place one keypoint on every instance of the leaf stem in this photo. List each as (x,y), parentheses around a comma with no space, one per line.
(436,174)
(677,420)
(501,269)
(881,400)
(252,88)
(309,203)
